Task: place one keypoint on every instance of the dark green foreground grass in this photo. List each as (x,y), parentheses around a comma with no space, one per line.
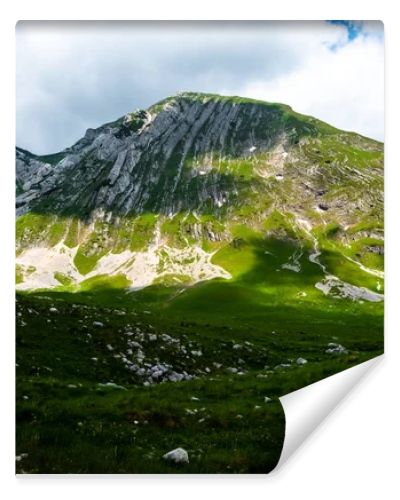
(68,423)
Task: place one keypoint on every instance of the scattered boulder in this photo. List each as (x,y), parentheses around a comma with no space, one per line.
(282,366)
(111,385)
(177,456)
(301,361)
(118,312)
(335,349)
(98,324)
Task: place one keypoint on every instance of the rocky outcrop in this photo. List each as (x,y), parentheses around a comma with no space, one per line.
(131,171)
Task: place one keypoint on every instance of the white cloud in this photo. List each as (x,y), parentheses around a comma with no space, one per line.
(71,76)
(344,87)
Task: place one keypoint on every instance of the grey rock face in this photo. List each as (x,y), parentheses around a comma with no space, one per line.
(124,169)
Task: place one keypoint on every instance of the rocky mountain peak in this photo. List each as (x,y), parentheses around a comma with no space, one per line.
(179,154)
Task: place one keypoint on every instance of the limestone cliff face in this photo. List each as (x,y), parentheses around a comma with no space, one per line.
(165,159)
(194,152)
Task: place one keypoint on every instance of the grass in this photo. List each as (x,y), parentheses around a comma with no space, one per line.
(105,281)
(32,227)
(68,423)
(85,263)
(19,277)
(63,279)
(257,324)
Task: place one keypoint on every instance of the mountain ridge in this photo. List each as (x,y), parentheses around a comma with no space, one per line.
(129,139)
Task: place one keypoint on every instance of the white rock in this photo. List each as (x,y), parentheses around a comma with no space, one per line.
(335,349)
(301,361)
(177,456)
(111,385)
(18,458)
(98,323)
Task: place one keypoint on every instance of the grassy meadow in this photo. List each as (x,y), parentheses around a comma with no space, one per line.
(86,399)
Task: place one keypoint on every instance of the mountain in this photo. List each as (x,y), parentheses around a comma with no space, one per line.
(198,187)
(181,269)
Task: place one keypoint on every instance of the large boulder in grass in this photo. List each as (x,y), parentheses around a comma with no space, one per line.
(177,456)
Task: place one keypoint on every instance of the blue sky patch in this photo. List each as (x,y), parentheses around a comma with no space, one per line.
(354,28)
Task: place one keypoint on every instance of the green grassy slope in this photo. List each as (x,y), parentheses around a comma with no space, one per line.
(67,422)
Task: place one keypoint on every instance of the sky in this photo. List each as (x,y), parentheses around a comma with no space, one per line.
(72,76)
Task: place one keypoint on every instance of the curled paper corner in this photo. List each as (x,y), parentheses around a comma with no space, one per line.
(306,408)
